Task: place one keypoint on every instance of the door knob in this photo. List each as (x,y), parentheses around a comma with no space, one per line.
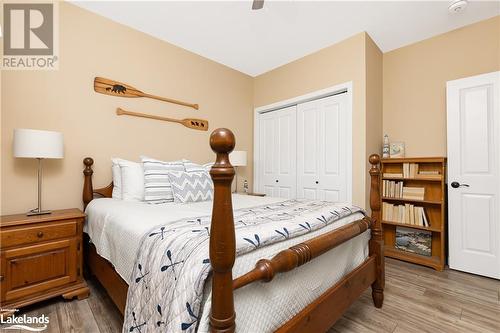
(317,182)
(277,181)
(457,185)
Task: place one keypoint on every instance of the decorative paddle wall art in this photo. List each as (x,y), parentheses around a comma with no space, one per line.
(116,88)
(193,123)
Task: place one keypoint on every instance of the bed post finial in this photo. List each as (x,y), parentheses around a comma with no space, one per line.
(377,240)
(222,234)
(88,191)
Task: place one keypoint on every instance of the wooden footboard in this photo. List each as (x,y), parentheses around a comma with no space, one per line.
(322,313)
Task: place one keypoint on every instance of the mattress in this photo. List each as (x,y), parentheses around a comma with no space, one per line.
(116,228)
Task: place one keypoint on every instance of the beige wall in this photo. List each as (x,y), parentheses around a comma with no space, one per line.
(64,101)
(414,94)
(374,105)
(401,92)
(346,61)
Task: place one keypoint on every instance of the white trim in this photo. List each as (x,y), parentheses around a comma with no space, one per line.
(339,88)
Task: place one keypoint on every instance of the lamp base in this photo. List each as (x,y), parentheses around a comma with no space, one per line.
(36,212)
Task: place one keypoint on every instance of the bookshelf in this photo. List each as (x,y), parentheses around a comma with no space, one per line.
(404,207)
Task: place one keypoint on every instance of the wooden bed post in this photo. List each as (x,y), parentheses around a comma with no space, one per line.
(376,241)
(222,234)
(88,191)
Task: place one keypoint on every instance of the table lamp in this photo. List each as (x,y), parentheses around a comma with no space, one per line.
(29,143)
(238,158)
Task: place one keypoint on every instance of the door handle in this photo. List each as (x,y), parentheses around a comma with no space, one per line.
(457,185)
(277,181)
(317,182)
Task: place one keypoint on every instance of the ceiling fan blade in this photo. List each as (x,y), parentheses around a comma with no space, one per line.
(257,4)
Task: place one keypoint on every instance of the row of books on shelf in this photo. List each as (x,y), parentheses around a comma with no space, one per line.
(410,171)
(405,214)
(393,189)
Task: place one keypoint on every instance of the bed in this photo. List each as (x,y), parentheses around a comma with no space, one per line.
(343,257)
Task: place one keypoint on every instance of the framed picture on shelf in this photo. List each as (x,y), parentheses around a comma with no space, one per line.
(397,150)
(414,241)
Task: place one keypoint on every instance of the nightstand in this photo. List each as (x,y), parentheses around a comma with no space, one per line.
(41,258)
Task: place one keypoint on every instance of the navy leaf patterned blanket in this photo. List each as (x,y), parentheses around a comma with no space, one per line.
(166,287)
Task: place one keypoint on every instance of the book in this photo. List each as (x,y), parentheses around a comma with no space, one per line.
(392,175)
(414,241)
(428,172)
(413,193)
(392,189)
(425,220)
(410,170)
(405,214)
(433,177)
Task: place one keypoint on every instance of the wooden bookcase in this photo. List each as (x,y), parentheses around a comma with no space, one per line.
(434,204)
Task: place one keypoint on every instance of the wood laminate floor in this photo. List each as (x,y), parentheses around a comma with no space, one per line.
(417,299)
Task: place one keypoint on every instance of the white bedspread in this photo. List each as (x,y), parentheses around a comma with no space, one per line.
(116,228)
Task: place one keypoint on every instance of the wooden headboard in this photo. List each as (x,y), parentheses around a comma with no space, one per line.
(88,190)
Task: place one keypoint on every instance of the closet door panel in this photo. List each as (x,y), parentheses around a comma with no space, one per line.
(330,139)
(330,195)
(278,154)
(333,142)
(308,193)
(307,150)
(321,143)
(268,168)
(268,190)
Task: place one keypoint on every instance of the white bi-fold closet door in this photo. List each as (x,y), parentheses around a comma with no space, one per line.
(303,150)
(278,152)
(322,149)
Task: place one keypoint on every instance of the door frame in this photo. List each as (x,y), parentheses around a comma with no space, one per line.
(346,87)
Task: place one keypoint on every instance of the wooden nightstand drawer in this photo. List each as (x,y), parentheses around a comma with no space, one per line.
(36,268)
(39,233)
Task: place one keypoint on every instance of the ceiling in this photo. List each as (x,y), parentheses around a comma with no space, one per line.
(255,42)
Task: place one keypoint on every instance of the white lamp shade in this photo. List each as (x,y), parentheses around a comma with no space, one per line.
(38,144)
(238,158)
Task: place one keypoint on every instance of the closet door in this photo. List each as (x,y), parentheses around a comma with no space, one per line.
(322,149)
(277,153)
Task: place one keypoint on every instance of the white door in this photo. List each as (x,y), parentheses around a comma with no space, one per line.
(322,148)
(473,174)
(277,150)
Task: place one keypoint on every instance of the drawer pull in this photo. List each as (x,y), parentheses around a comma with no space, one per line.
(39,234)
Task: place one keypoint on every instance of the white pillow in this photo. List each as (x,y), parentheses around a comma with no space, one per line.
(157,187)
(194,167)
(117,179)
(132,180)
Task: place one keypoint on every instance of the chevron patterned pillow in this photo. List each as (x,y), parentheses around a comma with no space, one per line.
(191,186)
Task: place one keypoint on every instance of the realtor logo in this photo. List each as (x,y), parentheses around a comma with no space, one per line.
(30,36)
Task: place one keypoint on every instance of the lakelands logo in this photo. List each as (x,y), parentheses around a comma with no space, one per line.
(24,322)
(30,36)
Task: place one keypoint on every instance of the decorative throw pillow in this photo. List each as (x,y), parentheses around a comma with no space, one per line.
(194,167)
(208,166)
(157,187)
(117,179)
(132,180)
(191,186)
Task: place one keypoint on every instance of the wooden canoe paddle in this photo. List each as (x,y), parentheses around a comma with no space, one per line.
(115,88)
(197,124)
